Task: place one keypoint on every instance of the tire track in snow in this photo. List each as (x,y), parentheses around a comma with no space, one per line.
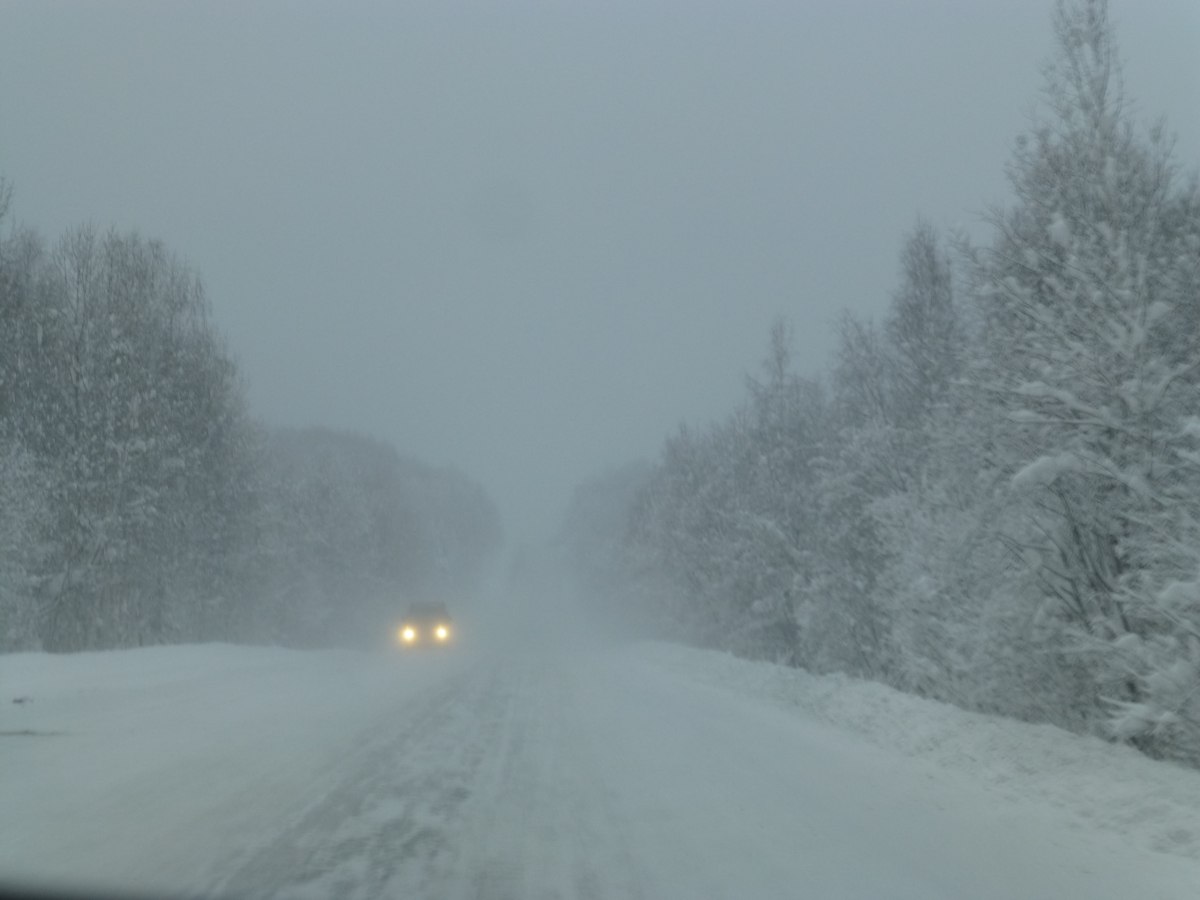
(488,790)
(542,824)
(394,812)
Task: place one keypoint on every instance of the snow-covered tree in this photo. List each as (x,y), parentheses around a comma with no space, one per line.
(22,514)
(23,488)
(1089,300)
(717,535)
(122,393)
(924,330)
(911,455)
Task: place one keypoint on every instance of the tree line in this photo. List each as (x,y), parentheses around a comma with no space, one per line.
(141,503)
(993,495)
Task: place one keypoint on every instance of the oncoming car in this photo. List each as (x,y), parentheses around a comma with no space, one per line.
(425,625)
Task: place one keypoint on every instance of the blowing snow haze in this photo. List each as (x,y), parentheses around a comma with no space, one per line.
(304,306)
(527,239)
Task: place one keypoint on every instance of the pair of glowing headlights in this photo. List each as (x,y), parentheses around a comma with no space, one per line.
(408,634)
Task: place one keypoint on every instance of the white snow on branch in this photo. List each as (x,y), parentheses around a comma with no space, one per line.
(1180,595)
(1191,428)
(1059,231)
(1044,470)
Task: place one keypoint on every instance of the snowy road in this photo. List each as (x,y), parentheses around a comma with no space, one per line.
(548,775)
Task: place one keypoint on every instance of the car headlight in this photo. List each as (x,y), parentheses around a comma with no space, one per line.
(408,634)
(441,632)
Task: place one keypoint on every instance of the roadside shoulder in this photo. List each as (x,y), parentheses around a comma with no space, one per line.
(1153,805)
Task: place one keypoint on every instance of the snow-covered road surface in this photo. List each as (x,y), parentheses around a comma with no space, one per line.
(599,773)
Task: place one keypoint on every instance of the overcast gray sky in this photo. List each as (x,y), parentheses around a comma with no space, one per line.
(529,239)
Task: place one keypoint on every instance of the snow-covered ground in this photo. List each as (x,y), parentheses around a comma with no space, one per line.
(148,768)
(639,771)
(1093,784)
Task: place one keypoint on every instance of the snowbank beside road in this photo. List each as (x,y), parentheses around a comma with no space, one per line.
(1094,784)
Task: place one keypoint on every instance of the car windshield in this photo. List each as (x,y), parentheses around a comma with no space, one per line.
(587,449)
